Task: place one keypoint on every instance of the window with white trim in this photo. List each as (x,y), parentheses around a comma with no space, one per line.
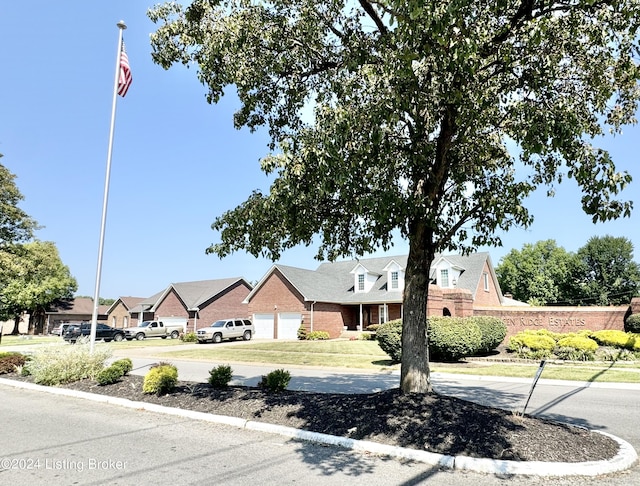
(382,314)
(444,278)
(361,282)
(394,280)
(485,278)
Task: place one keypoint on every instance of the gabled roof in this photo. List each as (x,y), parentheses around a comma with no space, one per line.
(334,282)
(192,294)
(128,302)
(77,305)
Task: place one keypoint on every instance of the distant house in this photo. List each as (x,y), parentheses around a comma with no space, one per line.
(354,294)
(77,309)
(192,304)
(119,313)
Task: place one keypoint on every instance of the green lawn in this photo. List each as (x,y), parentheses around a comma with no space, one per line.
(364,355)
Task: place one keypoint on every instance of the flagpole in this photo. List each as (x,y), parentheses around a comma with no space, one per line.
(96,295)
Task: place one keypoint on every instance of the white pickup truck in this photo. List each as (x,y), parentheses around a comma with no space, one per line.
(149,329)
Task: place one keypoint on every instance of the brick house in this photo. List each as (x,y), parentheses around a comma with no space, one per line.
(351,295)
(78,309)
(119,313)
(192,304)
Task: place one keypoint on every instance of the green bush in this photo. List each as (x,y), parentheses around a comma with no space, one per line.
(632,324)
(614,338)
(220,376)
(160,379)
(302,333)
(452,338)
(189,337)
(389,337)
(492,330)
(317,336)
(576,348)
(372,327)
(109,375)
(276,381)
(9,362)
(125,365)
(58,364)
(532,344)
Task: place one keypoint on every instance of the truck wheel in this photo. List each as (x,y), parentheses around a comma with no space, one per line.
(163,337)
(118,337)
(140,336)
(247,335)
(217,338)
(175,334)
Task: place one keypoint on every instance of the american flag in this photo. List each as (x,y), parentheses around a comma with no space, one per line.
(124,81)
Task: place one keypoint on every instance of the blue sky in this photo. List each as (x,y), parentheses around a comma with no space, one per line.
(177,161)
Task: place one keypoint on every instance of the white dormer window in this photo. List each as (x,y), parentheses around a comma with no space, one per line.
(395,276)
(361,282)
(363,279)
(394,280)
(444,278)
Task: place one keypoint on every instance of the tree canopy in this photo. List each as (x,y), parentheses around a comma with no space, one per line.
(413,105)
(39,279)
(607,274)
(538,274)
(15,224)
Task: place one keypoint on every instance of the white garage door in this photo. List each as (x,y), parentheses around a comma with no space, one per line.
(264,326)
(288,325)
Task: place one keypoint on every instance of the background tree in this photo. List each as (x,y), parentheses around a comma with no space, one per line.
(413,104)
(39,279)
(539,274)
(15,224)
(607,273)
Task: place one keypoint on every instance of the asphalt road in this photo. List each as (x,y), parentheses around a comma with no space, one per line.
(55,440)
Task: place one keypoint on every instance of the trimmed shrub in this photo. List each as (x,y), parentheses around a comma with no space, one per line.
(59,364)
(632,324)
(160,379)
(532,344)
(190,337)
(389,337)
(318,336)
(220,376)
(302,333)
(614,338)
(109,376)
(492,330)
(276,381)
(576,348)
(372,327)
(125,365)
(452,338)
(9,362)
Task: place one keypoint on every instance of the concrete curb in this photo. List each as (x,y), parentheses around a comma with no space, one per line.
(625,458)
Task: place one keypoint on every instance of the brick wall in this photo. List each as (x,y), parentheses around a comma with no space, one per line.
(222,306)
(557,319)
(119,316)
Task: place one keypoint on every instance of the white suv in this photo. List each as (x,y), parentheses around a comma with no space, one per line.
(226,329)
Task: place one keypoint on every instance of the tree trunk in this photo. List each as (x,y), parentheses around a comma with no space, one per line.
(414,371)
(16,325)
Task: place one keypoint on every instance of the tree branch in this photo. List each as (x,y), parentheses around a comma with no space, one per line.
(374,16)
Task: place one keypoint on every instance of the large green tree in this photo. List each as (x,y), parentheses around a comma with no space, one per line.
(39,279)
(15,224)
(607,273)
(413,104)
(541,273)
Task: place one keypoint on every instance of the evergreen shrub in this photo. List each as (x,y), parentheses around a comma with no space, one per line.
(220,376)
(453,338)
(614,338)
(109,375)
(160,379)
(389,337)
(276,381)
(318,336)
(632,324)
(576,348)
(492,330)
(532,344)
(125,365)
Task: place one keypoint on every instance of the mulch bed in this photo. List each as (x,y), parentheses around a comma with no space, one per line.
(433,422)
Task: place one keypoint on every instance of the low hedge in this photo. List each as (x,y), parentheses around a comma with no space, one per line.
(389,337)
(632,324)
(532,344)
(493,332)
(616,339)
(452,338)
